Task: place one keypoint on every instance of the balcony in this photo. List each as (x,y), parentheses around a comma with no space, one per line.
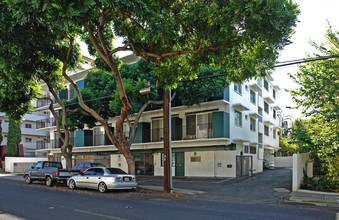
(42,102)
(45,123)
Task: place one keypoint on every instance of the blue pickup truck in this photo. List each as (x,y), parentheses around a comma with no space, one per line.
(48,171)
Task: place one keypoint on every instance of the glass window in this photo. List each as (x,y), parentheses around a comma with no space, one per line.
(39,164)
(266,108)
(246,149)
(99,171)
(237,118)
(157,130)
(237,88)
(116,171)
(274,114)
(28,140)
(274,94)
(266,130)
(260,138)
(190,127)
(266,84)
(204,126)
(253,150)
(252,124)
(28,126)
(252,97)
(274,134)
(259,81)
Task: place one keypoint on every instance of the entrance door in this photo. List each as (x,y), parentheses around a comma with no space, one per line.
(180,164)
(244,165)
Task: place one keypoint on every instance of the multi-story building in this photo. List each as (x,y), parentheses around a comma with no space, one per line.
(228,136)
(30,136)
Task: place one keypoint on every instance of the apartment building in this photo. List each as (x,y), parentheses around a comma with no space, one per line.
(228,136)
(30,136)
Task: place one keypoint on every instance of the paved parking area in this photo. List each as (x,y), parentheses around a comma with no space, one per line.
(269,187)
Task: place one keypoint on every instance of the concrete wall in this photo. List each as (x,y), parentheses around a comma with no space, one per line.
(19,164)
(283,162)
(119,161)
(299,166)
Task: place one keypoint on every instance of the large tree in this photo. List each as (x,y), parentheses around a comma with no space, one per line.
(243,37)
(32,52)
(318,96)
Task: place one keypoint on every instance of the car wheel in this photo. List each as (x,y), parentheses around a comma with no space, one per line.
(102,187)
(49,181)
(72,184)
(28,179)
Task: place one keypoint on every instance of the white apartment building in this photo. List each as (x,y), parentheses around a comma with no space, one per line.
(30,137)
(228,136)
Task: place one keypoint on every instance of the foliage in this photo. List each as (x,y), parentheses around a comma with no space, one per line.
(13,138)
(318,95)
(286,147)
(320,183)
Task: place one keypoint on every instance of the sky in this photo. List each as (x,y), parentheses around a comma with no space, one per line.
(311,26)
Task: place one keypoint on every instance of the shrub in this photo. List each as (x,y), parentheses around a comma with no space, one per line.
(320,183)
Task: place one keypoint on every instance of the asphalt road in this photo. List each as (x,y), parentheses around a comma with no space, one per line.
(37,201)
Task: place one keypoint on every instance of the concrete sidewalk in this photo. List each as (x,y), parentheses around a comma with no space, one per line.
(315,197)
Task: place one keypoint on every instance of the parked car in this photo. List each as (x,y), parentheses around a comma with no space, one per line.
(142,167)
(266,165)
(48,171)
(103,179)
(84,166)
(271,165)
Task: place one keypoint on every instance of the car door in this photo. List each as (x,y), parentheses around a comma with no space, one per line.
(82,181)
(36,171)
(96,178)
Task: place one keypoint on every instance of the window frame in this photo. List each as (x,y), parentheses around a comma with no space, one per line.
(237,120)
(253,123)
(253,99)
(238,88)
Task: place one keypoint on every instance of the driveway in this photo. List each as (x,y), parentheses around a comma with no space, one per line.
(269,187)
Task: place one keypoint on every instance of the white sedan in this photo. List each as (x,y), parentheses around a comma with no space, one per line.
(103,179)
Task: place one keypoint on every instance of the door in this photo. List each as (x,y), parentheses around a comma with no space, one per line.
(180,164)
(244,165)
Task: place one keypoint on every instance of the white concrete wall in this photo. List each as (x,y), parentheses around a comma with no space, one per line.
(119,161)
(299,165)
(158,169)
(225,158)
(283,162)
(18,164)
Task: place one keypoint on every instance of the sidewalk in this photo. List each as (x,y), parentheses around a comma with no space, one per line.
(315,197)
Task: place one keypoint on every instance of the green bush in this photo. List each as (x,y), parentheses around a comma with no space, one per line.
(320,183)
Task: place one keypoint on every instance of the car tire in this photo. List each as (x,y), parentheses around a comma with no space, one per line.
(28,179)
(72,184)
(49,181)
(102,187)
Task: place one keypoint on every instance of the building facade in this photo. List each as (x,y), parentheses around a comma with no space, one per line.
(228,136)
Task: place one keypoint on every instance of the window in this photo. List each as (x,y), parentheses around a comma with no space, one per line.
(260,138)
(28,140)
(237,118)
(253,150)
(252,97)
(274,94)
(274,134)
(246,149)
(266,130)
(252,124)
(28,126)
(266,108)
(260,113)
(199,126)
(259,81)
(266,85)
(157,130)
(274,114)
(237,88)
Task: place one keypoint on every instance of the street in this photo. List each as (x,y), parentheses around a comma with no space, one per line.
(37,201)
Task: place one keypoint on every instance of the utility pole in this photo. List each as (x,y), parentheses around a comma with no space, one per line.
(167,142)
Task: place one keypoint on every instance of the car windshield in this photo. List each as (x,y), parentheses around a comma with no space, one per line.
(97,165)
(116,171)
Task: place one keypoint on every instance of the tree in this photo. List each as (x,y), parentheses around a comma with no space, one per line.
(318,95)
(243,37)
(286,147)
(13,138)
(32,51)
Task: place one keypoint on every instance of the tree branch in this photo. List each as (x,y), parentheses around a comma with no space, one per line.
(95,44)
(124,48)
(100,28)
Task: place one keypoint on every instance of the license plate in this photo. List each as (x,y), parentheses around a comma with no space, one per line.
(126,178)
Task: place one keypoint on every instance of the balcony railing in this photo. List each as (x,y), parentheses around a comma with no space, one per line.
(42,103)
(44,123)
